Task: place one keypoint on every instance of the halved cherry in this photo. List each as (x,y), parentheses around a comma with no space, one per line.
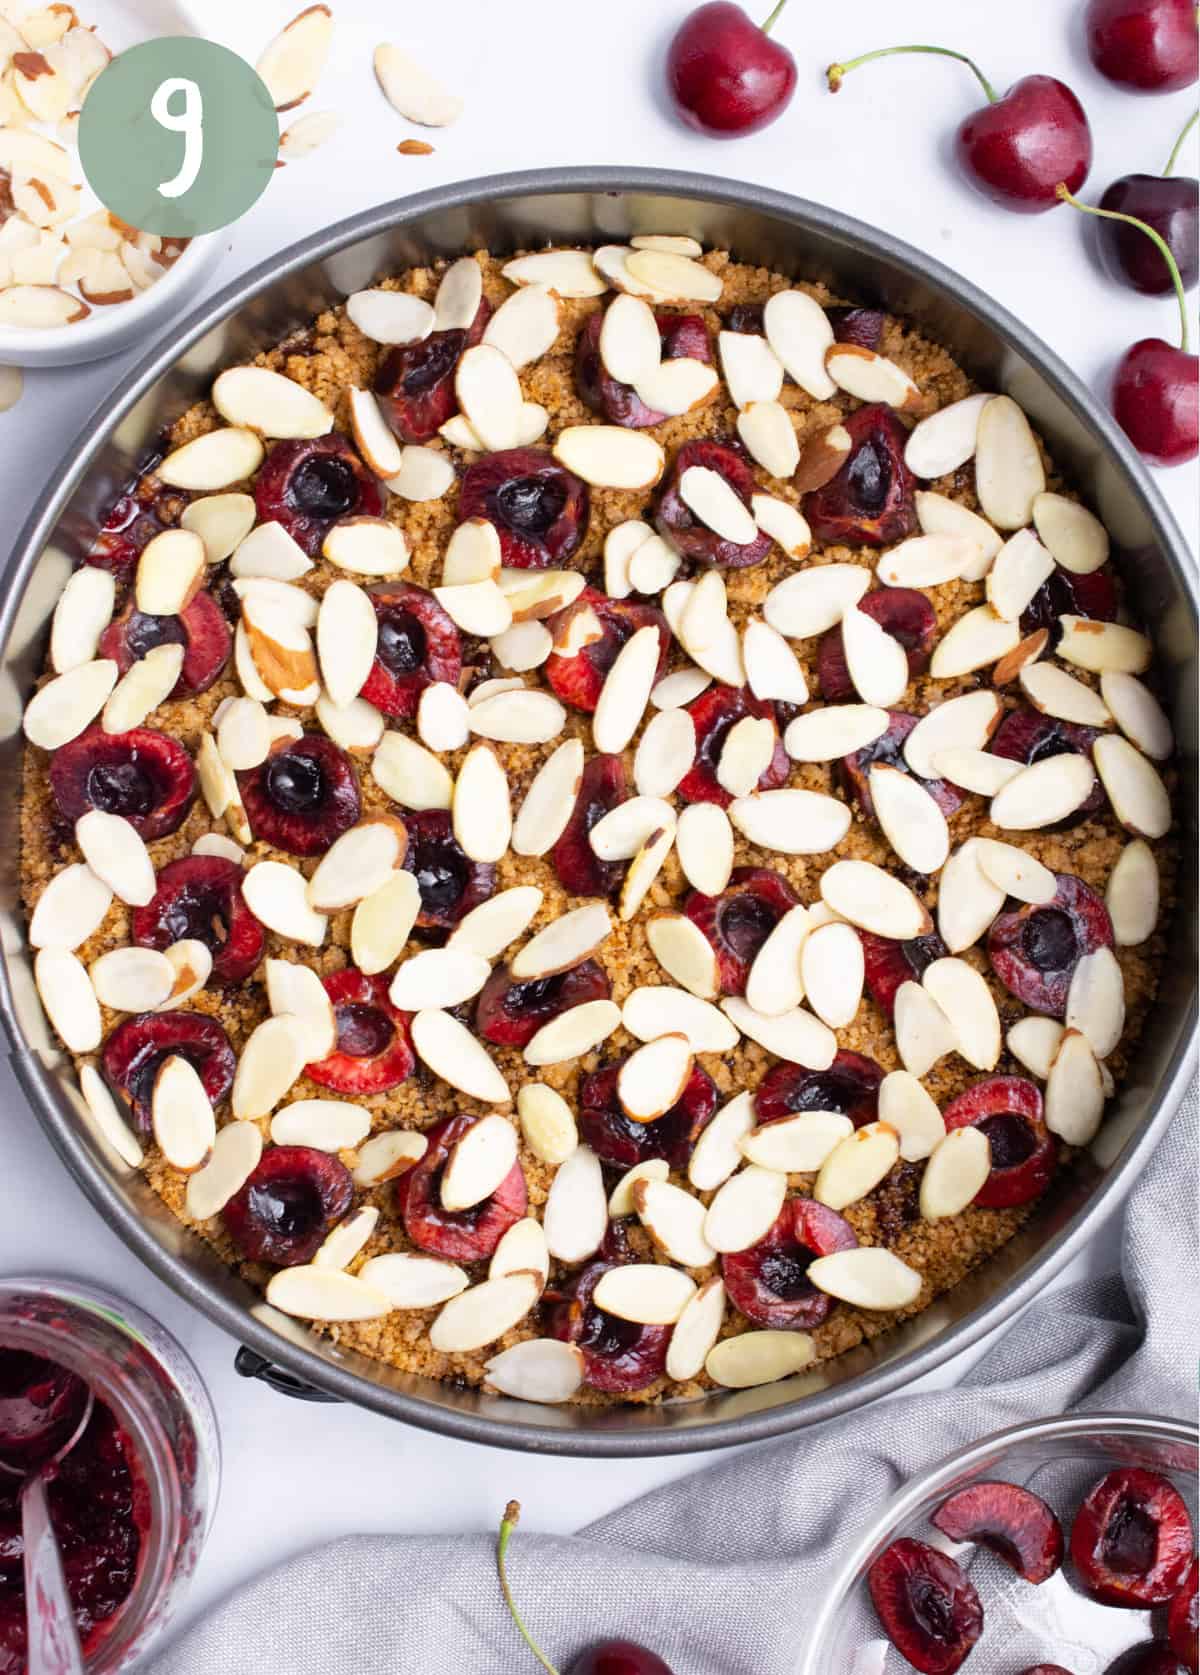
(870,503)
(888,749)
(740,919)
(1013,1522)
(680,335)
(601,788)
(578,679)
(132,522)
(1183,1620)
(1024,1152)
(139,1045)
(460,1235)
(373,1051)
(1155,1658)
(1034,950)
(927,1605)
(678,524)
(199,898)
(308,485)
(1064,593)
(289,1204)
(303,797)
(417,644)
(860,326)
(539,508)
(890,963)
(619,1356)
(449,881)
(1132,1541)
(200,628)
(617,1140)
(1026,736)
(850,1085)
(142,775)
(415,381)
(511,1013)
(769,1282)
(714,714)
(901,612)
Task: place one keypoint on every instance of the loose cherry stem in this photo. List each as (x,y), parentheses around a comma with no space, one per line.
(1178,146)
(508,1524)
(1068,197)
(836,72)
(774,18)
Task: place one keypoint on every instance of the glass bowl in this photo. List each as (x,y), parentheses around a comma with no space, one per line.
(1059,1459)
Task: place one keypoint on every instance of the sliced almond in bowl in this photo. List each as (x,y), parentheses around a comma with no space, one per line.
(496,923)
(1096,1001)
(83,612)
(69,998)
(566,941)
(575,1216)
(653,1010)
(674,1220)
(568,273)
(548,803)
(573,1033)
(312,1293)
(911,820)
(59,711)
(459,293)
(264,401)
(873,899)
(1014,871)
(814,600)
(967,722)
(646,1293)
(117,854)
(216,460)
(744,1208)
(696,1331)
(856,1165)
(608,456)
(40,307)
(968,900)
(796,1145)
(328,1125)
(904,1105)
(453,1053)
(867,1277)
(1133,892)
(1046,792)
(1135,788)
(798,330)
(1008,467)
(383,922)
(1018,571)
(1074,1097)
(478,1163)
(925,561)
(796,1035)
(489,394)
(977,639)
(924,1034)
(481,811)
(131,980)
(775,983)
(629,343)
(387,1155)
(543,1370)
(1137,713)
(652,1079)
(1075,538)
(547,1123)
(832,969)
(965,998)
(236,1150)
(1103,647)
(749,1359)
(673,277)
(438,977)
(183,1121)
(945,440)
(378,447)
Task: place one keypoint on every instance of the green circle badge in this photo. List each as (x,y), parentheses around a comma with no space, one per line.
(178,136)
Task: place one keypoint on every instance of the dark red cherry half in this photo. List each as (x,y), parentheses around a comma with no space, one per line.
(308,485)
(1183,1620)
(714,714)
(890,964)
(373,1051)
(199,897)
(1065,594)
(1132,1541)
(619,1356)
(870,502)
(901,612)
(619,1141)
(449,881)
(138,1047)
(415,381)
(769,1282)
(601,788)
(1024,1152)
(539,509)
(850,1085)
(200,628)
(861,326)
(1154,1658)
(739,920)
(303,797)
(1034,950)
(417,644)
(678,524)
(132,522)
(291,1202)
(460,1235)
(578,679)
(1013,1522)
(142,775)
(682,336)
(511,1013)
(927,1606)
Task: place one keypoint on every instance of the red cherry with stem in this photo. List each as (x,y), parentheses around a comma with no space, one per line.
(1156,387)
(1017,147)
(726,76)
(1147,45)
(608,1657)
(1169,204)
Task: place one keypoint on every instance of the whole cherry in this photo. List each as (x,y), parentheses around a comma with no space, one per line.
(1171,205)
(1020,145)
(607,1657)
(725,74)
(1147,45)
(1156,386)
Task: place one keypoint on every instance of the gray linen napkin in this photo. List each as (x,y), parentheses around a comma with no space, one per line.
(718,1572)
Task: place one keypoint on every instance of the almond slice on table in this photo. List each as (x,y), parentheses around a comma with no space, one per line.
(1008,467)
(117,855)
(424,474)
(797,1145)
(753,373)
(621,832)
(876,662)
(968,900)
(412,91)
(549,801)
(568,273)
(70,908)
(647,1293)
(59,711)
(1132,895)
(83,612)
(1096,1001)
(709,498)
(977,639)
(258,399)
(181,1115)
(744,1208)
(938,515)
(685,953)
(410,774)
(1137,713)
(834,730)
(1045,792)
(387,1155)
(453,1053)
(945,440)
(775,984)
(746,754)
(925,561)
(975,770)
(704,843)
(673,277)
(459,294)
(629,344)
(1017,572)
(328,1125)
(292,61)
(958,1167)
(674,1220)
(40,307)
(268,550)
(68,998)
(652,1079)
(575,1215)
(856,1165)
(573,1033)
(911,820)
(312,1293)
(832,970)
(367,547)
(479,1162)
(390,316)
(966,722)
(1074,1097)
(355,726)
(344,1242)
(791,821)
(870,376)
(1075,538)
(522,1249)
(906,1107)
(412,1281)
(566,941)
(378,447)
(271,1060)
(966,1000)
(277,895)
(1034,1042)
(772,671)
(307,134)
(643,871)
(665,753)
(1135,788)
(620,1199)
(525,717)
(438,977)
(717,1152)
(697,1330)
(656,1009)
(609,456)
(131,980)
(481,812)
(822,455)
(525,326)
(191,967)
(873,899)
(1052,691)
(547,1123)
(236,1150)
(798,330)
(626,691)
(749,1359)
(867,1277)
(108,1120)
(795,1035)
(487,930)
(216,460)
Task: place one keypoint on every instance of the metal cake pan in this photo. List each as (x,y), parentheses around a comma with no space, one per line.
(596,206)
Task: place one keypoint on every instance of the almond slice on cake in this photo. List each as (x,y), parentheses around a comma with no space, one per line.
(1008,466)
(453,1053)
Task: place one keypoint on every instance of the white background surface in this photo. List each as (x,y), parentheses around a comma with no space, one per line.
(543,83)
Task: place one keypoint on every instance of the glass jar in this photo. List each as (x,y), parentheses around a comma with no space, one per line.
(154,1391)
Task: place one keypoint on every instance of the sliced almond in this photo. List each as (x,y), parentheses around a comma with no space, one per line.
(1025,652)
(775,982)
(565,942)
(532,595)
(390,316)
(1075,538)
(1135,788)
(856,1165)
(184,1126)
(410,774)
(270,1063)
(674,1220)
(795,1035)
(252,683)
(697,1330)
(236,1150)
(965,998)
(673,277)
(873,899)
(925,561)
(108,1120)
(791,821)
(477,608)
(443,718)
(1132,896)
(307,134)
(355,726)
(522,1249)
(877,663)
(69,997)
(832,970)
(746,754)
(479,1162)
(677,244)
(620,544)
(946,440)
(267,402)
(83,612)
(1008,467)
(665,753)
(704,841)
(977,639)
(646,1293)
(709,498)
(367,547)
(328,1125)
(413,91)
(473,554)
(626,690)
(1018,571)
(40,307)
(822,456)
(654,1010)
(749,1359)
(867,1277)
(621,1198)
(216,460)
(717,1152)
(609,456)
(653,566)
(489,928)
(549,801)
(357,864)
(611,263)
(59,711)
(378,447)
(652,1079)
(974,770)
(453,1053)
(413,1281)
(383,922)
(169,571)
(629,343)
(387,1155)
(753,374)
(191,966)
(870,376)
(911,820)
(131,980)
(772,671)
(459,295)
(967,722)
(243,733)
(1137,713)
(956,1172)
(489,394)
(543,1370)
(905,1106)
(344,1242)
(745,1208)
(924,1034)
(643,871)
(438,977)
(575,1216)
(1045,792)
(347,633)
(312,1293)
(573,1033)
(292,61)
(1074,1098)
(525,326)
(1014,871)
(143,687)
(968,900)
(1096,1001)
(1034,1042)
(547,1123)
(685,953)
(798,330)
(481,812)
(568,273)
(939,515)
(275,894)
(527,716)
(282,652)
(425,474)
(524,646)
(116,854)
(833,731)
(268,550)
(799,1144)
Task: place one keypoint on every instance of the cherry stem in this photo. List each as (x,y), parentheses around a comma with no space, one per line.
(1068,197)
(774,18)
(1178,146)
(836,72)
(508,1524)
